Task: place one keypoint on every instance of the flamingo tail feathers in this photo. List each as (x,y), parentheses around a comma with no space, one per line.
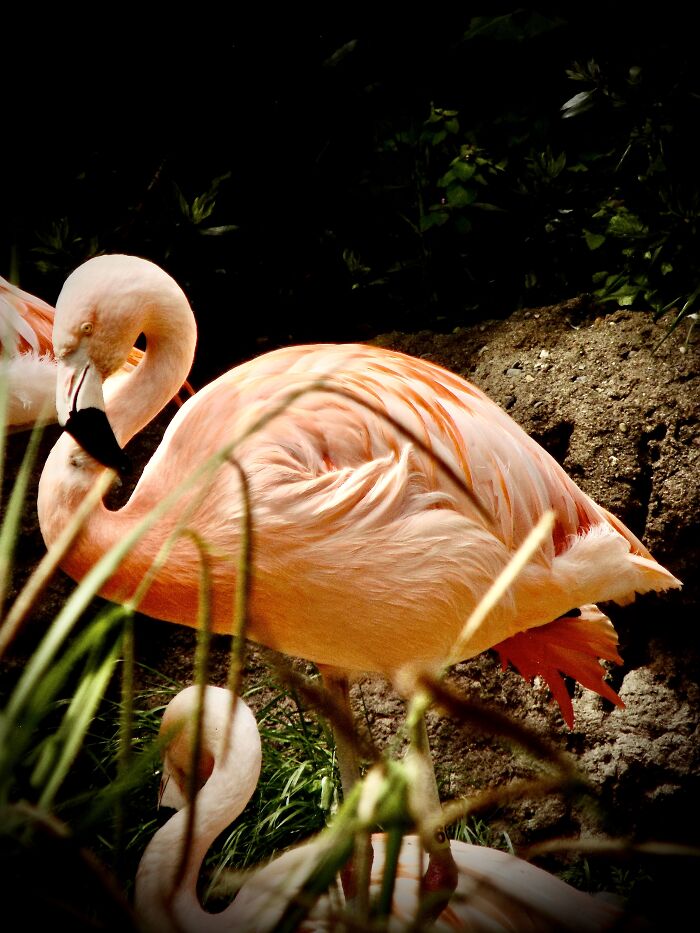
(570,645)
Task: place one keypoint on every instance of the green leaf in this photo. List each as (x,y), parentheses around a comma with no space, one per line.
(462,170)
(577,104)
(624,224)
(452,126)
(558,165)
(624,296)
(218,231)
(486,206)
(593,240)
(457,196)
(433,219)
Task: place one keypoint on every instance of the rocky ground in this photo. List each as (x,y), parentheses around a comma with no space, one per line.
(617,406)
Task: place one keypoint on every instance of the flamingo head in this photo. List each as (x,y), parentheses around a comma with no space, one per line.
(104,305)
(221,737)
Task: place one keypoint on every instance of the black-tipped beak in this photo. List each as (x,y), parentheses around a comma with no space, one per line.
(92,430)
(80,407)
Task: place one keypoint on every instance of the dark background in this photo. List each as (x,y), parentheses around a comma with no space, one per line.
(117,120)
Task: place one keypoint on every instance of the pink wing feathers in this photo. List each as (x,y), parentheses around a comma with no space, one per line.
(513,478)
(26,322)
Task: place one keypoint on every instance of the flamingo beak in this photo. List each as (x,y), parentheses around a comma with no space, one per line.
(169,794)
(81,410)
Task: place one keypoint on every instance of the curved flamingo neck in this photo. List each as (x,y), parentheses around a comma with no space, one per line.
(132,400)
(159,903)
(162,903)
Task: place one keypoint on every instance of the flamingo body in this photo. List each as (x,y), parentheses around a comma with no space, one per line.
(496,891)
(367,556)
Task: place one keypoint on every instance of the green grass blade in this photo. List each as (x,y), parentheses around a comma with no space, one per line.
(48,565)
(76,721)
(394,839)
(21,717)
(4,396)
(9,532)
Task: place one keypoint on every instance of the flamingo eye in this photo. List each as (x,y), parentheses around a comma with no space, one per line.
(86,327)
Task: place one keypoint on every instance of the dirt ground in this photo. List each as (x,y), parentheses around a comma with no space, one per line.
(618,408)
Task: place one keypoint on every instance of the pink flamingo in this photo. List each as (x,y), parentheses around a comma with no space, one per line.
(367,555)
(495,891)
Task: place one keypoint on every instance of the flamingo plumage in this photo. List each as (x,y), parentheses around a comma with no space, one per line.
(367,555)
(496,891)
(27,362)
